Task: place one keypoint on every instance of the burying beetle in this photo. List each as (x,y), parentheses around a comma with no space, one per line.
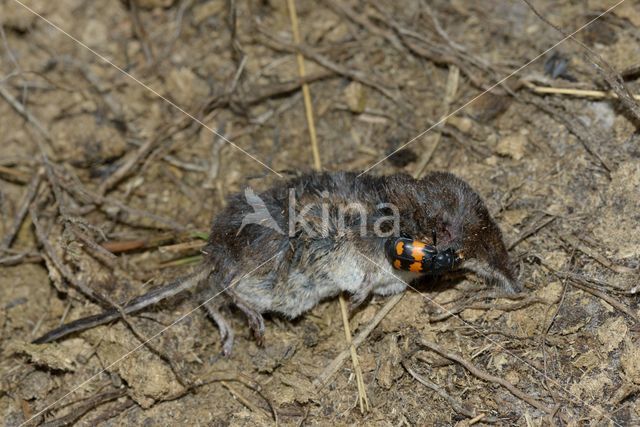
(412,255)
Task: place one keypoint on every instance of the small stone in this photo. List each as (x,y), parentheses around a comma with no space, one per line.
(513,146)
(186,87)
(463,124)
(95,33)
(356,97)
(515,216)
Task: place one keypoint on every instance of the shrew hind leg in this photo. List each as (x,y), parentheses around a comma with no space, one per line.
(226,332)
(255,319)
(215,297)
(361,294)
(228,273)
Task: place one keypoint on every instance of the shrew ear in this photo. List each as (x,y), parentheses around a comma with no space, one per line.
(493,275)
(447,232)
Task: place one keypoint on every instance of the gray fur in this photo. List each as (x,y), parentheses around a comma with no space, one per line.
(302,269)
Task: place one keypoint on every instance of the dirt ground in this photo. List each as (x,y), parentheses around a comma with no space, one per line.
(108,178)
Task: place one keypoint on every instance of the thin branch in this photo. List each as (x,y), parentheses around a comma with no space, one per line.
(578,282)
(62,268)
(22,110)
(488,377)
(337,362)
(86,406)
(278,44)
(582,93)
(606,71)
(22,211)
(457,406)
(306,93)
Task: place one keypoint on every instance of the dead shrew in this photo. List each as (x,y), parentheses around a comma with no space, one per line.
(288,248)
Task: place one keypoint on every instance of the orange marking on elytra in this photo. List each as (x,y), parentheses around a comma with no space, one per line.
(397,264)
(400,248)
(416,250)
(416,267)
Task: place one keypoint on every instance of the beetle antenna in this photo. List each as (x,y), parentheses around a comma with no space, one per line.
(433,237)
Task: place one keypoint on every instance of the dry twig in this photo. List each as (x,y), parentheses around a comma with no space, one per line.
(608,299)
(86,406)
(227,377)
(245,401)
(450,93)
(14,175)
(22,211)
(277,44)
(362,20)
(362,390)
(532,229)
(606,71)
(77,190)
(178,372)
(140,32)
(426,48)
(457,406)
(577,244)
(308,108)
(22,110)
(585,135)
(129,163)
(598,282)
(490,306)
(581,93)
(20,258)
(60,266)
(111,412)
(488,377)
(580,283)
(337,362)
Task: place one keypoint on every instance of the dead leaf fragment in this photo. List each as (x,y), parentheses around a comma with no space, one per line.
(390,357)
(51,356)
(630,361)
(611,333)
